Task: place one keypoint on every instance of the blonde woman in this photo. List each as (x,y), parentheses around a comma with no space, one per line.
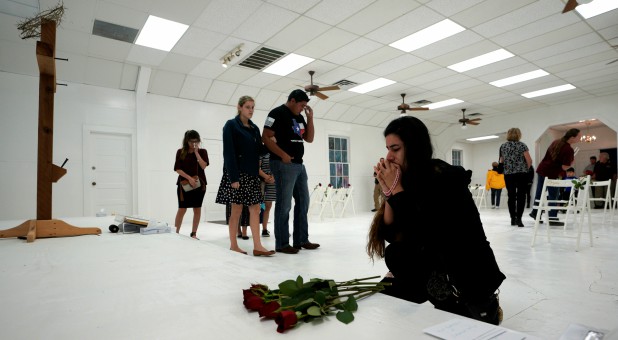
(240,184)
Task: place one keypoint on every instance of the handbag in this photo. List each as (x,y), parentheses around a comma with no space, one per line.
(186,186)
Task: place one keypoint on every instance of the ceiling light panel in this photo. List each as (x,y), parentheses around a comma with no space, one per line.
(550,90)
(443,103)
(372,85)
(519,78)
(476,139)
(482,60)
(596,7)
(288,64)
(427,36)
(160,34)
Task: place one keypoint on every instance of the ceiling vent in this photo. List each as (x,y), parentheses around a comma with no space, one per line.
(423,102)
(345,82)
(262,58)
(113,31)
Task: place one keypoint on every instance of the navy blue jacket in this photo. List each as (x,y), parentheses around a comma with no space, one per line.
(242,147)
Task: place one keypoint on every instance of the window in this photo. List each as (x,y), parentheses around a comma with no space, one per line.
(457,159)
(339,162)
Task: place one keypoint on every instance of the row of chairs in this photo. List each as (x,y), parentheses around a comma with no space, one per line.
(336,200)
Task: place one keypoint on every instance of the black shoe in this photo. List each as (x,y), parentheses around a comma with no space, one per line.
(287,250)
(532,215)
(373,210)
(513,221)
(520,223)
(308,245)
(265,233)
(556,224)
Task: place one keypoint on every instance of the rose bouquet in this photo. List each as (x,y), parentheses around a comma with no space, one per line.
(298,300)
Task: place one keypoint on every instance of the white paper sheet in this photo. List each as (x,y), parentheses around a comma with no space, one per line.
(467,329)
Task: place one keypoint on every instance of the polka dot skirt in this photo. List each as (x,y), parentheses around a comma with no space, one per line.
(249,192)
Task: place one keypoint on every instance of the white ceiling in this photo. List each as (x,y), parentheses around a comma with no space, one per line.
(349,40)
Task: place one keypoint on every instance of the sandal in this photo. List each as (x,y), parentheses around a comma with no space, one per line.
(193,235)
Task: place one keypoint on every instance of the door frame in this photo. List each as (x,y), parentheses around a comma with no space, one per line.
(88,130)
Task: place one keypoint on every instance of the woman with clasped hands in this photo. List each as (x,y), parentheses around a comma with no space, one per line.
(190,161)
(437,248)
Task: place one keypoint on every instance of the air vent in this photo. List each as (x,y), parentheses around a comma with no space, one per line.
(262,58)
(474,114)
(423,102)
(345,82)
(113,31)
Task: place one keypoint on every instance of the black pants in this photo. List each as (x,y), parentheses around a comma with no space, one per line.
(516,186)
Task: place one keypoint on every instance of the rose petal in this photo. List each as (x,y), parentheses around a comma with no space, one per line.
(253,303)
(286,320)
(269,309)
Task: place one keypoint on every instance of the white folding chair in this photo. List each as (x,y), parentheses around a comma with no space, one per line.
(481,197)
(342,197)
(607,200)
(326,200)
(574,204)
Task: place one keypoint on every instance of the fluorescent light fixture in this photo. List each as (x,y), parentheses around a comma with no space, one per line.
(288,64)
(519,78)
(550,90)
(372,85)
(443,103)
(596,7)
(428,36)
(476,139)
(482,60)
(160,33)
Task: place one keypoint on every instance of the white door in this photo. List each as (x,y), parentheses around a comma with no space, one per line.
(108,173)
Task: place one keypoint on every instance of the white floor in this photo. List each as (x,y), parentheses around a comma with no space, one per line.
(548,287)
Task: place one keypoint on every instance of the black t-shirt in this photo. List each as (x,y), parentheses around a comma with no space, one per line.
(603,171)
(289,130)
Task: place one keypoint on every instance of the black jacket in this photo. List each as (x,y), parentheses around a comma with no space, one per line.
(242,147)
(437,229)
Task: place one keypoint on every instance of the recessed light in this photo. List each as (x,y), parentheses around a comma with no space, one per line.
(519,78)
(476,139)
(427,36)
(550,90)
(596,7)
(443,103)
(372,85)
(482,60)
(160,33)
(288,64)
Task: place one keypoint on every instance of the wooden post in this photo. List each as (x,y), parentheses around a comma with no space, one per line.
(45,51)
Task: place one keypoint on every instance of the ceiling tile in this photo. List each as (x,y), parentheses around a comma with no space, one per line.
(486,11)
(350,115)
(540,41)
(261,79)
(555,23)
(269,18)
(109,49)
(377,118)
(355,49)
(333,12)
(412,22)
(78,16)
(375,15)
(330,41)
(183,11)
(413,71)
(146,55)
(395,64)
(572,55)
(237,74)
(207,69)
(465,53)
(448,45)
(179,63)
(166,83)
(103,73)
(451,7)
(288,39)
(298,6)
(224,16)
(565,46)
(72,71)
(517,18)
(220,92)
(243,90)
(336,111)
(375,58)
(118,14)
(267,100)
(198,42)
(128,81)
(364,116)
(195,87)
(321,107)
(74,42)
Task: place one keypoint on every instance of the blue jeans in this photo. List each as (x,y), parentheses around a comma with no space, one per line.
(552,194)
(495,197)
(290,182)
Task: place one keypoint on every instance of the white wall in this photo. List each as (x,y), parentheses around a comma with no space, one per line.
(159,135)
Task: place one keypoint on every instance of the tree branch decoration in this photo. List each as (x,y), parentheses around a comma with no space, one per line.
(31,28)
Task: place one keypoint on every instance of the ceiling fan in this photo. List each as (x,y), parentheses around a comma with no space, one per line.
(465,120)
(314,90)
(403,107)
(571,4)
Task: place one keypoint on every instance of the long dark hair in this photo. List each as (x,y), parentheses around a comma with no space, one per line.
(418,152)
(190,134)
(555,151)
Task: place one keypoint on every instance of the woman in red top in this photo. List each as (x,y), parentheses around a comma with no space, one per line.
(558,158)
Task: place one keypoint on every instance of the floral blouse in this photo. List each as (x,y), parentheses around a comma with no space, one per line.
(513,154)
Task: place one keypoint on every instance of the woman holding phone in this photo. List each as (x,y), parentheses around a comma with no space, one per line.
(190,163)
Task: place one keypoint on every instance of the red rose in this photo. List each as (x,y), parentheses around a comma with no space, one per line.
(253,302)
(247,293)
(285,320)
(268,310)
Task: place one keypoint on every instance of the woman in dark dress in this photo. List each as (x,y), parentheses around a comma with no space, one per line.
(190,161)
(432,254)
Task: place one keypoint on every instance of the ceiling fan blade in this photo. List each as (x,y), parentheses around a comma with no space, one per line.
(474,120)
(418,108)
(472,123)
(570,5)
(328,88)
(321,95)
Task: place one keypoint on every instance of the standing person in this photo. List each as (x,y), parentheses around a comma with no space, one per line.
(377,192)
(516,160)
(589,169)
(603,171)
(190,161)
(270,191)
(448,260)
(495,182)
(559,157)
(240,184)
(290,129)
